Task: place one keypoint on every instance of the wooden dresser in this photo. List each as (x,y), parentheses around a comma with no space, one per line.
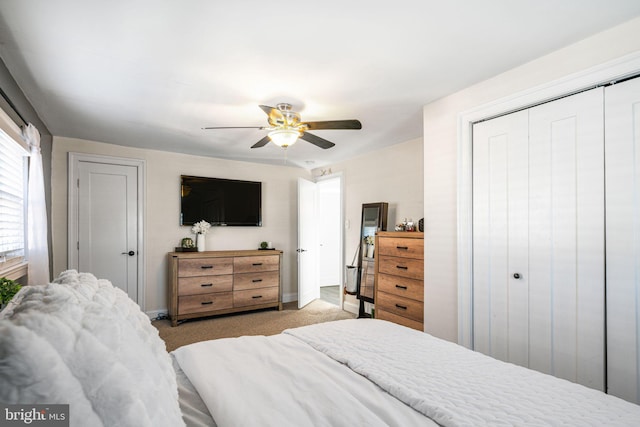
(400,278)
(219,282)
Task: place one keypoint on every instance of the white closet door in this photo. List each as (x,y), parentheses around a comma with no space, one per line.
(500,237)
(622,124)
(566,238)
(538,195)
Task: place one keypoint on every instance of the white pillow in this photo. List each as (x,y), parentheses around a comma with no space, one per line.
(85,343)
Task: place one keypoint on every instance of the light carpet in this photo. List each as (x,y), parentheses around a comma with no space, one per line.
(263,322)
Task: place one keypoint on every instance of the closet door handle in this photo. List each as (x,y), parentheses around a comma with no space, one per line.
(516,275)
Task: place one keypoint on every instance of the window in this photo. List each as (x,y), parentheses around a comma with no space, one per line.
(13,180)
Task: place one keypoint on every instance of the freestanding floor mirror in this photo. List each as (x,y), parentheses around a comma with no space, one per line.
(374,219)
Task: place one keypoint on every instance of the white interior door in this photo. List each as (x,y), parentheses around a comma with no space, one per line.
(308,288)
(539,238)
(566,241)
(104,229)
(500,212)
(622,133)
(330,262)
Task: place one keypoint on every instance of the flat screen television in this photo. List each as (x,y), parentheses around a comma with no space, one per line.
(221,202)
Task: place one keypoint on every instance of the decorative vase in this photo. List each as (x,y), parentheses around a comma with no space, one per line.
(370,251)
(200,242)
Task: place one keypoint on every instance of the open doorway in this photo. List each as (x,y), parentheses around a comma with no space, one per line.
(330,231)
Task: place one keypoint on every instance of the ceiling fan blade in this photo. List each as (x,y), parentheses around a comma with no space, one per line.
(264,141)
(234,127)
(266,109)
(275,115)
(316,140)
(334,124)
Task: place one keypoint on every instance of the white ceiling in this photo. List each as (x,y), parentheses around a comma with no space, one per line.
(152,73)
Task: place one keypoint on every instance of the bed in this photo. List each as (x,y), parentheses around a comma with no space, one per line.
(83,342)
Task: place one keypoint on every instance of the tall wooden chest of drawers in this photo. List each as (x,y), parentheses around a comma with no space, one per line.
(220,282)
(400,278)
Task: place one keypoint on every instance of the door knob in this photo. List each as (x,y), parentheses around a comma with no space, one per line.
(301,250)
(130,253)
(516,275)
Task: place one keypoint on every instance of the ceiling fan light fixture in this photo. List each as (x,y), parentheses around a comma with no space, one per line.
(284,137)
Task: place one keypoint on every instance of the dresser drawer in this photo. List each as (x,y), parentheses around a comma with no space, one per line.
(403,307)
(206,302)
(255,297)
(205,284)
(385,315)
(263,279)
(248,264)
(401,286)
(398,266)
(204,266)
(401,247)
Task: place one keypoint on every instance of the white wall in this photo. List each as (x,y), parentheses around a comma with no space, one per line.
(162,229)
(392,175)
(441,157)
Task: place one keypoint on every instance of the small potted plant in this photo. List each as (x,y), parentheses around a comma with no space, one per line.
(8,288)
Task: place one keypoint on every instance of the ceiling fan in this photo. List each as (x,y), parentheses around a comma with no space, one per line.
(285,127)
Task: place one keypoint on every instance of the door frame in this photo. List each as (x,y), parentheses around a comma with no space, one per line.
(72,211)
(617,69)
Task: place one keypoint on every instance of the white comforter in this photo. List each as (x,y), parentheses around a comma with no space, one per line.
(281,381)
(278,381)
(458,387)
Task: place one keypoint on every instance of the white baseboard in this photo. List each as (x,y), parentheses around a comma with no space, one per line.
(350,307)
(290,297)
(154,314)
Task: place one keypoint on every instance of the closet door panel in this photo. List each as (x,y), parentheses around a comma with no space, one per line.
(500,237)
(622,133)
(566,246)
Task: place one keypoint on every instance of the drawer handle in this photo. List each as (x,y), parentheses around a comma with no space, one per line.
(206,285)
(256,280)
(256,296)
(404,288)
(206,266)
(402,267)
(206,302)
(256,264)
(404,248)
(401,307)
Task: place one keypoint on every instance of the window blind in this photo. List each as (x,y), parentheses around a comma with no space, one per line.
(12,198)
